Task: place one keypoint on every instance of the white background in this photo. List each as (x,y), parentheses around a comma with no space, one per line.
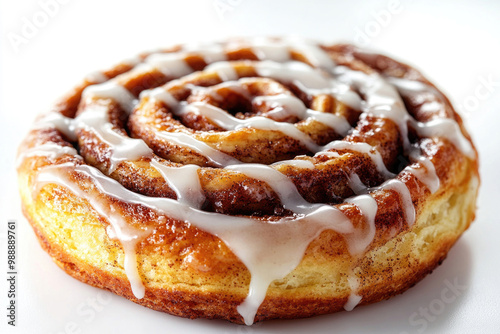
(455,43)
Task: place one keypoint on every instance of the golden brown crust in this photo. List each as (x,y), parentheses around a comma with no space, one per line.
(191,273)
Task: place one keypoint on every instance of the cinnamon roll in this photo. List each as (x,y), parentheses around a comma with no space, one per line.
(250,179)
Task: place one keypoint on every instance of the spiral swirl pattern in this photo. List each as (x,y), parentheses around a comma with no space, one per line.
(261,146)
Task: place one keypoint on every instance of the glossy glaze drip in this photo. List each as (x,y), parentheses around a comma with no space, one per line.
(286,105)
(271,51)
(111,90)
(306,164)
(123,148)
(160,94)
(54,120)
(381,98)
(354,182)
(96,77)
(225,73)
(184,181)
(95,120)
(172,65)
(119,227)
(438,127)
(281,50)
(405,197)
(52,151)
(354,299)
(368,207)
(446,128)
(424,170)
(210,52)
(216,157)
(361,148)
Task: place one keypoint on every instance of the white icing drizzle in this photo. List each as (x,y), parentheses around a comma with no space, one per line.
(339,90)
(95,119)
(210,52)
(160,94)
(132,61)
(305,164)
(338,123)
(368,207)
(405,196)
(293,71)
(123,148)
(50,150)
(213,155)
(96,77)
(446,128)
(308,79)
(438,127)
(184,181)
(424,171)
(315,55)
(130,263)
(361,148)
(293,201)
(225,71)
(285,189)
(329,154)
(285,105)
(381,98)
(171,65)
(354,182)
(55,120)
(273,52)
(280,51)
(270,251)
(111,90)
(233,85)
(119,228)
(354,299)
